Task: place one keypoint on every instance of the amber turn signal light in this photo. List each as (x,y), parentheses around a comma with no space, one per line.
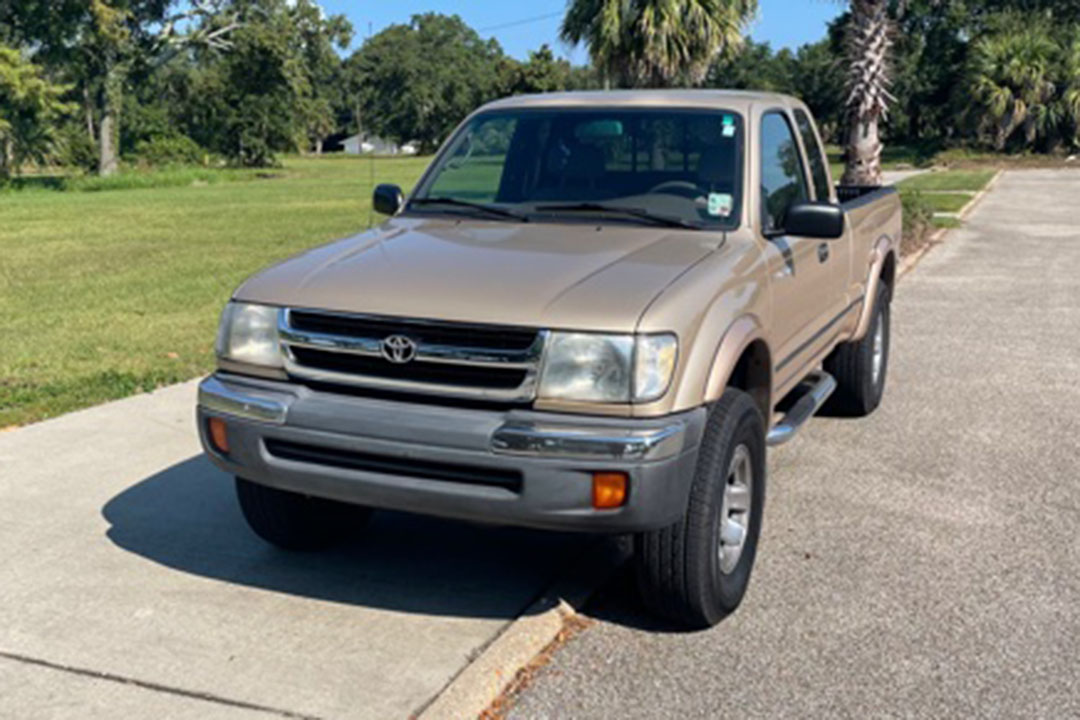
(219,438)
(609,490)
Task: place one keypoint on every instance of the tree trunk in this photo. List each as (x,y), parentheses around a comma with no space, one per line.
(108,156)
(868,84)
(7,159)
(863,154)
(318,146)
(88,106)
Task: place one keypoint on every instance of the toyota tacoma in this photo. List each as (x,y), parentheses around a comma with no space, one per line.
(594,312)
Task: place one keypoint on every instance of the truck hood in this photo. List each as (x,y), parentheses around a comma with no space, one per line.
(571,276)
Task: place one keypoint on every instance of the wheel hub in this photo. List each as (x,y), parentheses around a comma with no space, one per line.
(735,509)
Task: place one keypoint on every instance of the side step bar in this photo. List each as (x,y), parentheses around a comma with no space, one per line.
(818,387)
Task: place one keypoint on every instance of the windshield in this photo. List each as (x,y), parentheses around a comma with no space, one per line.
(676,167)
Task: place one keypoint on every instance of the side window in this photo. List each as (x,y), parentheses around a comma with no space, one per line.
(783,182)
(475,167)
(814,156)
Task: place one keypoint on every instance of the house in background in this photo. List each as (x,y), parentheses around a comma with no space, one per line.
(365,144)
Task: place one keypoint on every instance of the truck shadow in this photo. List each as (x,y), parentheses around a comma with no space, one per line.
(619,603)
(186,517)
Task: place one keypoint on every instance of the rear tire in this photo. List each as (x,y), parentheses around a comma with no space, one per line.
(696,571)
(861,367)
(296,522)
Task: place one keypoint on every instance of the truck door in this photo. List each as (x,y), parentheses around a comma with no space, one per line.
(840,250)
(802,276)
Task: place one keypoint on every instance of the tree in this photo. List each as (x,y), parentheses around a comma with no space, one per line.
(318,36)
(103,41)
(656,43)
(417,81)
(29,105)
(542,73)
(1012,82)
(929,59)
(869,42)
(755,67)
(1070,97)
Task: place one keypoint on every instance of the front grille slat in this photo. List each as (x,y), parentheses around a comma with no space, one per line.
(473,362)
(416,371)
(455,335)
(389,465)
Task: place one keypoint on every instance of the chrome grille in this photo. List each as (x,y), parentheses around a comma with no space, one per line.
(478,362)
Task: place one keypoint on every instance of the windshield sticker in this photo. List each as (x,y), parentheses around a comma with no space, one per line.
(729,131)
(721,204)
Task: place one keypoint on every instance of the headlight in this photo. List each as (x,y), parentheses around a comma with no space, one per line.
(656,355)
(249,334)
(607,368)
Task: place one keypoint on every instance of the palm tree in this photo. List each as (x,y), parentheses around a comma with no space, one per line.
(1071,80)
(868,43)
(1012,74)
(656,43)
(30,105)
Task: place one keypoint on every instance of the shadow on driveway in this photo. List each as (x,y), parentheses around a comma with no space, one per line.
(187,518)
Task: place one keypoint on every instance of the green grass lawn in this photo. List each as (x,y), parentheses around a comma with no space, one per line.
(947,202)
(949,181)
(106,293)
(893,157)
(947,223)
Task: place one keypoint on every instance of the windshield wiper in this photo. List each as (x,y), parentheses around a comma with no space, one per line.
(638,213)
(454,202)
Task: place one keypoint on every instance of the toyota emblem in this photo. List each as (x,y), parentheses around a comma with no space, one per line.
(398,349)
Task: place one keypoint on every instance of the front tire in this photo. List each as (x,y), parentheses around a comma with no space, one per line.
(296,522)
(697,571)
(861,368)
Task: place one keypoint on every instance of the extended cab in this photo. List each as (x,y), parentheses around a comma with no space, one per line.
(594,312)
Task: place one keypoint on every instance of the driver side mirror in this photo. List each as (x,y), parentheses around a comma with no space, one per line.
(815,220)
(387,199)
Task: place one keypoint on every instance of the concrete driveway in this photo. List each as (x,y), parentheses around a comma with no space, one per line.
(130,586)
(924,562)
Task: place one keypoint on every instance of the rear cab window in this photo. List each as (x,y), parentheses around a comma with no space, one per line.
(818,169)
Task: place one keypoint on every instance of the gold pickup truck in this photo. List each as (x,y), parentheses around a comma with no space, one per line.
(594,312)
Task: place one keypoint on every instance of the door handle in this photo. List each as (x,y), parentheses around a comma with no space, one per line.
(823,252)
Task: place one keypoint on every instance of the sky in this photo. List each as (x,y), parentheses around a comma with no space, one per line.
(521,27)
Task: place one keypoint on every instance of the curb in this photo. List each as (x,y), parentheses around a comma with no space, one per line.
(484,679)
(908,264)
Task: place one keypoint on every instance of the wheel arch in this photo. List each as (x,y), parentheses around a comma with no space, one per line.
(743,361)
(882,271)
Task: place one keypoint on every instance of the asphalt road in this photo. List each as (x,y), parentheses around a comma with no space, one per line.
(924,562)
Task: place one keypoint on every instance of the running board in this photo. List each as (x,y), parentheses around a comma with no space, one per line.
(819,386)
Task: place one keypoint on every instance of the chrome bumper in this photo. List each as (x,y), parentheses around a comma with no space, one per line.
(587,442)
(589,439)
(216,397)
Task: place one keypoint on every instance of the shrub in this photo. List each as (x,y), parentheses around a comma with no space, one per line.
(74,148)
(918,222)
(164,150)
(148,179)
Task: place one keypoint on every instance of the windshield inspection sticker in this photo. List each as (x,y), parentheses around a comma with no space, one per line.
(721,204)
(728,126)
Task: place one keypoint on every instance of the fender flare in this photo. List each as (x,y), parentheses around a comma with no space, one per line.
(883,248)
(739,336)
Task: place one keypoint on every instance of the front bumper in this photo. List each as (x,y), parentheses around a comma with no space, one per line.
(515,467)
